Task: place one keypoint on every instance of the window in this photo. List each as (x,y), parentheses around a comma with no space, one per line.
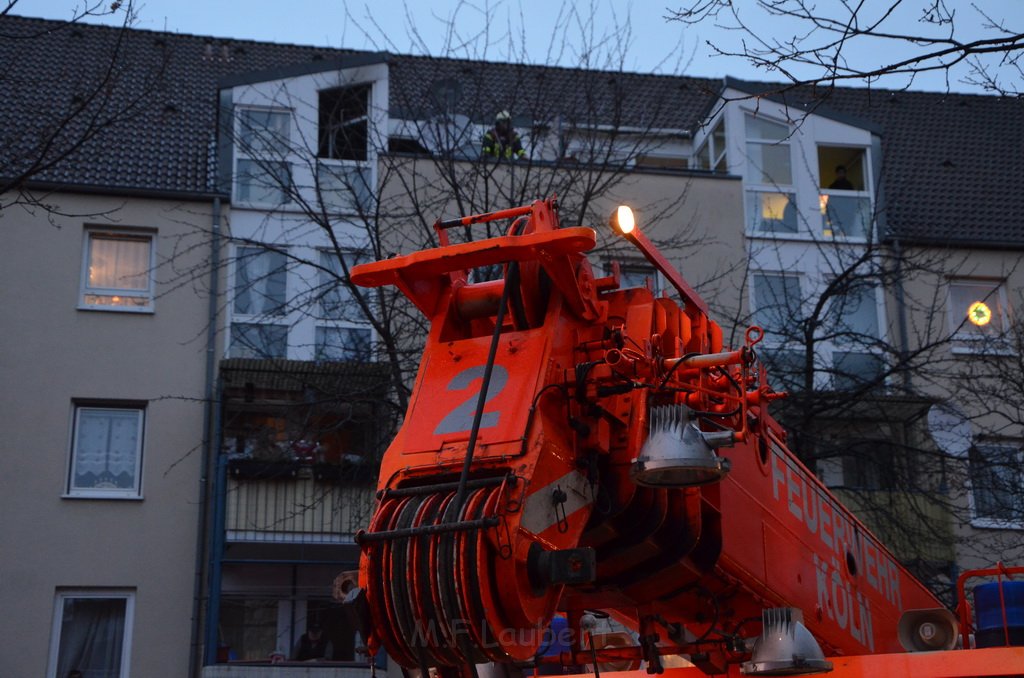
(265,182)
(344,188)
(996,477)
(855,315)
(344,123)
(771,207)
(712,154)
(871,465)
(264,133)
(772,212)
(106,452)
(703,159)
(251,340)
(259,295)
(786,368)
(117,272)
(776,302)
(768,152)
(249,629)
(977,315)
(635,274)
(842,175)
(845,216)
(856,370)
(92,633)
(260,281)
(262,174)
(842,168)
(336,301)
(346,344)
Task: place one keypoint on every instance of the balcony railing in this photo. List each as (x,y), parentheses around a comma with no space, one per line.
(296,506)
(845,215)
(289,670)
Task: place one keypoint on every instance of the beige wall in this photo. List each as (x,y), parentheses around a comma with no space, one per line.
(697,219)
(51,353)
(970,381)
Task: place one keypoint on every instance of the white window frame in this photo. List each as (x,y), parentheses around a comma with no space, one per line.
(771,340)
(85,291)
(636,266)
(237,255)
(260,148)
(825,194)
(262,157)
(993,523)
(752,187)
(869,292)
(280,320)
(351,200)
(338,192)
(58,618)
(966,341)
(865,161)
(135,492)
(325,323)
(716,157)
(323,328)
(236,323)
(262,164)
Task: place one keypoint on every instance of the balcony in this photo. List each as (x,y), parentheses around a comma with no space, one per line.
(289,670)
(844,215)
(297,507)
(300,443)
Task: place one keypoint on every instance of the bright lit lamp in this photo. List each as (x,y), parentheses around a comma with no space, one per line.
(979,313)
(622,220)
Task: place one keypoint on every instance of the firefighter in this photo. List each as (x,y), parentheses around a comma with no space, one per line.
(501,141)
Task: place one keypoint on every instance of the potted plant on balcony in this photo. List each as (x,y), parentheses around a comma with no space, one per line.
(264,459)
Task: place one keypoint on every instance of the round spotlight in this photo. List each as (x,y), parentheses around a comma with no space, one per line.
(979,313)
(623,220)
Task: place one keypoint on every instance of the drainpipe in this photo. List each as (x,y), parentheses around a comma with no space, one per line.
(901,317)
(216,547)
(209,440)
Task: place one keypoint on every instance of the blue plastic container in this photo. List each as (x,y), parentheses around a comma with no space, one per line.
(988,630)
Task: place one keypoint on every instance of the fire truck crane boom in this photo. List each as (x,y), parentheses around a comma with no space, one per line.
(578,448)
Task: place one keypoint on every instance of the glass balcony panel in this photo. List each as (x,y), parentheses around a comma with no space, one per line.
(772,212)
(845,215)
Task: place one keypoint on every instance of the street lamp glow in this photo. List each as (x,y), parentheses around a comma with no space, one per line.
(623,220)
(979,313)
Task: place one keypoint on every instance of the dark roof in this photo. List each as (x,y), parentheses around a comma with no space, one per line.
(153,121)
(152,115)
(547,94)
(951,168)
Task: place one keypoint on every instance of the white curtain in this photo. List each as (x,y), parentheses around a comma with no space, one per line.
(107,445)
(259,282)
(92,637)
(119,263)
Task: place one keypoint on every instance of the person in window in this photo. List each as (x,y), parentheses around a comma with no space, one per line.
(501,141)
(841,183)
(313,645)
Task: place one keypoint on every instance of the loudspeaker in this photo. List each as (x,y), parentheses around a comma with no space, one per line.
(928,630)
